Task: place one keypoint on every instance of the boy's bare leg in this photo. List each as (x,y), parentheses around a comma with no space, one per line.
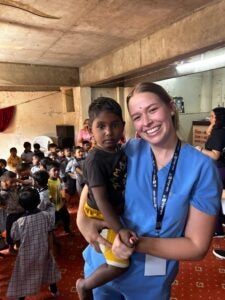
(102,275)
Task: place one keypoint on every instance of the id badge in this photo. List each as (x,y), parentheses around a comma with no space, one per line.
(154,266)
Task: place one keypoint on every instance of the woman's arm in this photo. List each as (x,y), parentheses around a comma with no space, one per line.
(88,227)
(193,246)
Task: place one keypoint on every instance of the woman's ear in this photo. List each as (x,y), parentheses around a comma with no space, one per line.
(173,108)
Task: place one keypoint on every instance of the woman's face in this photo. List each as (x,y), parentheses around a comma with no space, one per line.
(152,118)
(86,124)
(212,118)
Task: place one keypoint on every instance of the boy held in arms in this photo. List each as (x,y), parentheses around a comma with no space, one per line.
(105,171)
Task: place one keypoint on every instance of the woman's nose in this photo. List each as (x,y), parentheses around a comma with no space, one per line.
(146,119)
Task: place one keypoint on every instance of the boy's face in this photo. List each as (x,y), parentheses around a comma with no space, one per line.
(27,148)
(52,149)
(35,161)
(60,153)
(2,165)
(86,147)
(24,174)
(8,183)
(54,173)
(67,152)
(107,129)
(78,153)
(13,153)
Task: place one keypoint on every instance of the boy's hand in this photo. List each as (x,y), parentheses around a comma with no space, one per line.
(128,237)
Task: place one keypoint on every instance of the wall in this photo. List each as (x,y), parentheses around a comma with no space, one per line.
(37,113)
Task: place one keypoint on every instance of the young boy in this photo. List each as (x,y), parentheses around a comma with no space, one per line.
(27,154)
(55,192)
(74,169)
(105,170)
(9,198)
(35,264)
(3,165)
(24,178)
(36,163)
(13,160)
(41,183)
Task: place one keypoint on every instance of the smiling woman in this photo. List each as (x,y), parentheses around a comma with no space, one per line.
(171,189)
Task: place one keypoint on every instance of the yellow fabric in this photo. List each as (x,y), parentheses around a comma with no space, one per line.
(54,187)
(109,235)
(12,162)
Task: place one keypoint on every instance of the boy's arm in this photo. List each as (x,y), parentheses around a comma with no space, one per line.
(128,236)
(101,197)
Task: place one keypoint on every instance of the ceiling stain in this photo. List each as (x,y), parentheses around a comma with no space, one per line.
(27,8)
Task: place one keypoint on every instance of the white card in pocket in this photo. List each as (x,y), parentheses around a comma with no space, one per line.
(154,266)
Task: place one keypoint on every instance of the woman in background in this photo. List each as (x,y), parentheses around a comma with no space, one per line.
(84,133)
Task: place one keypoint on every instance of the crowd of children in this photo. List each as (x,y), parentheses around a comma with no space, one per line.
(33,192)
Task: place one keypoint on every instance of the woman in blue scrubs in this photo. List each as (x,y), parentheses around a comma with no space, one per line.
(172,195)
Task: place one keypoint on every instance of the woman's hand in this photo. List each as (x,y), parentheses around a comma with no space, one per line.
(88,227)
(120,250)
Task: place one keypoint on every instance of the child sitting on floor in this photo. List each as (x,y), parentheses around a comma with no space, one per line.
(35,264)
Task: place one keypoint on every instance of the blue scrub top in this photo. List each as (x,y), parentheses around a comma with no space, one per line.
(196,182)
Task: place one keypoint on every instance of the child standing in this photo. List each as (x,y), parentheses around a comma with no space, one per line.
(41,183)
(105,170)
(27,154)
(35,264)
(13,209)
(13,159)
(36,163)
(3,165)
(74,168)
(55,192)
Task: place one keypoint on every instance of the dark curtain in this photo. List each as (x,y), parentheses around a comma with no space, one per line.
(6,115)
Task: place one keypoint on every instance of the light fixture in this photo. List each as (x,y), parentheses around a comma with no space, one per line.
(204,64)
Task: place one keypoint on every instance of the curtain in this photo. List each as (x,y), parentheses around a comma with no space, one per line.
(6,115)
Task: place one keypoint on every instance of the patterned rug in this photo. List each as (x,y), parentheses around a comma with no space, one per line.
(204,280)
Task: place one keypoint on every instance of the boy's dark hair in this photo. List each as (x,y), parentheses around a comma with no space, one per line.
(45,161)
(104,104)
(41,177)
(29,198)
(7,175)
(52,145)
(77,148)
(36,146)
(13,149)
(26,144)
(23,167)
(3,162)
(53,164)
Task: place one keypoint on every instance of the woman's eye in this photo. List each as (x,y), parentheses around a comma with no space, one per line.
(136,118)
(152,109)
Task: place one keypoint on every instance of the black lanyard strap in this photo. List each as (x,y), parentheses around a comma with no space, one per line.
(167,187)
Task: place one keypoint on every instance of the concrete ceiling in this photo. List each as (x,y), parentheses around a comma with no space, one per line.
(82,30)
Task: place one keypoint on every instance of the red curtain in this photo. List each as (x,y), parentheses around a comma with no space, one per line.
(6,115)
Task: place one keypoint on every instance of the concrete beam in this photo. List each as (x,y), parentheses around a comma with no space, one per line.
(22,77)
(201,31)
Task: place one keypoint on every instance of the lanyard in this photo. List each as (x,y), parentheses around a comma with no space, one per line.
(167,187)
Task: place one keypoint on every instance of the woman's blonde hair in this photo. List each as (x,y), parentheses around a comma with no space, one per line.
(150,87)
